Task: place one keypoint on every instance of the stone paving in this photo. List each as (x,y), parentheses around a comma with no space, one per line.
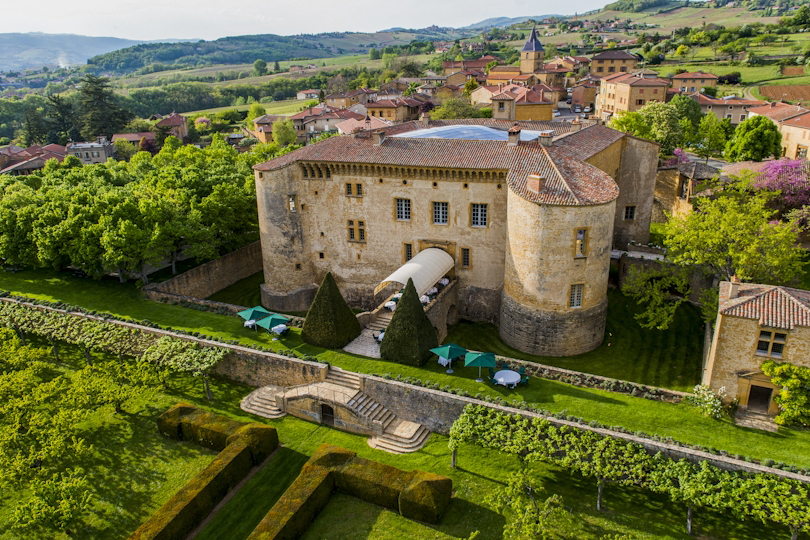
(755,421)
(364,344)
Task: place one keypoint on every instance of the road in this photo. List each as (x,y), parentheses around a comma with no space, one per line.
(713,162)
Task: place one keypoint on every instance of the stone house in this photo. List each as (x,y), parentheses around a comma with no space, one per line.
(628,92)
(314,120)
(731,107)
(675,186)
(263,126)
(527,213)
(91,152)
(176,124)
(694,82)
(308,94)
(613,61)
(396,110)
(448,68)
(756,323)
(796,136)
(584,94)
(19,161)
(353,97)
(521,103)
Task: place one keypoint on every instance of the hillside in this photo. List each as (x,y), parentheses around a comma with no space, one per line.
(34,50)
(505,21)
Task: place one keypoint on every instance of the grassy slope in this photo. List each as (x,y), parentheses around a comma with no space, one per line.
(244,292)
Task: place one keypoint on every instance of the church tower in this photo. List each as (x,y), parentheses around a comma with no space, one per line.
(531,57)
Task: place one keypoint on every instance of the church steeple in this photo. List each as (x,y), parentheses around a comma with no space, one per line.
(531,57)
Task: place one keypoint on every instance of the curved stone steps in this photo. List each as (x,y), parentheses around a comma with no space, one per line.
(262,402)
(401,437)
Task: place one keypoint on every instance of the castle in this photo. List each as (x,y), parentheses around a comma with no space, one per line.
(523,214)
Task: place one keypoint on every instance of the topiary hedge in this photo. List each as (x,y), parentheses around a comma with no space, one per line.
(410,335)
(194,501)
(415,494)
(330,322)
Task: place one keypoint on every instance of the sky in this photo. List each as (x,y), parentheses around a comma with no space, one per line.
(212,19)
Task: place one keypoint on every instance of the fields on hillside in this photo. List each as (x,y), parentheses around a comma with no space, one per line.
(790,92)
(687,17)
(286,107)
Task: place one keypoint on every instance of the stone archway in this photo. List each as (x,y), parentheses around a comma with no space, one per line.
(327,414)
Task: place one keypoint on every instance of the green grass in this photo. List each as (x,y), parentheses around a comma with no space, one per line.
(244,292)
(286,107)
(680,422)
(750,75)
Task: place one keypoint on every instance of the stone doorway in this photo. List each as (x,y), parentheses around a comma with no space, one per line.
(327,415)
(759,399)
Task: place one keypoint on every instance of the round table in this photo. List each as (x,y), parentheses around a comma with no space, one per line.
(390,305)
(507,377)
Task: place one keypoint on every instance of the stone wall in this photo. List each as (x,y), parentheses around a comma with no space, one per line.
(636,188)
(213,276)
(668,200)
(443,310)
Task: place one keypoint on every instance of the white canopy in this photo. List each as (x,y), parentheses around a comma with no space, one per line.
(425,270)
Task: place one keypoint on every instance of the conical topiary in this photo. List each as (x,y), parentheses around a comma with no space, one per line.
(330,322)
(410,336)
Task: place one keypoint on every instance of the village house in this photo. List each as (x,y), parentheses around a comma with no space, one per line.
(731,107)
(628,92)
(583,94)
(454,66)
(795,136)
(613,61)
(91,152)
(176,124)
(460,78)
(396,111)
(19,161)
(352,97)
(521,103)
(308,94)
(694,82)
(756,323)
(315,120)
(675,186)
(520,218)
(135,138)
(263,127)
(353,125)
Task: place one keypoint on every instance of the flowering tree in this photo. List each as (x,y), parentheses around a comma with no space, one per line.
(790,177)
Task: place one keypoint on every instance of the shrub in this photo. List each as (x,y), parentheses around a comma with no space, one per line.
(410,335)
(709,403)
(330,322)
(426,497)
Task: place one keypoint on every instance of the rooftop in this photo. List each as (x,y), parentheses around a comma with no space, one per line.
(778,111)
(772,306)
(697,75)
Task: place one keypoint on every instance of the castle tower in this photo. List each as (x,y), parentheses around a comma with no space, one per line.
(531,57)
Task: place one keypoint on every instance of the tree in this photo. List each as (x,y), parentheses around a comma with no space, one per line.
(755,139)
(374,54)
(330,322)
(99,110)
(452,108)
(469,87)
(284,132)
(256,110)
(528,515)
(711,137)
(656,121)
(688,109)
(682,51)
(410,335)
(696,486)
(794,393)
(412,89)
(124,149)
(259,67)
(633,123)
(661,290)
(321,96)
(55,503)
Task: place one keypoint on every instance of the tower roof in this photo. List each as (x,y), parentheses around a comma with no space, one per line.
(533,44)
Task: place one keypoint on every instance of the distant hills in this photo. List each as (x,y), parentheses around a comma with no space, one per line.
(504,21)
(34,50)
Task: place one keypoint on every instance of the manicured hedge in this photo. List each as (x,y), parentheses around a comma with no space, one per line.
(415,494)
(410,335)
(242,446)
(194,501)
(330,322)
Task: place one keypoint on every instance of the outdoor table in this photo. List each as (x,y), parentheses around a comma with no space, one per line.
(250,324)
(424,299)
(279,328)
(391,305)
(380,337)
(507,377)
(432,290)
(444,281)
(397,296)
(443,361)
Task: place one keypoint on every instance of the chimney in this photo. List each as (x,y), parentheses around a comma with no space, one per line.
(424,120)
(534,183)
(514,135)
(546,137)
(773,104)
(378,137)
(576,124)
(734,288)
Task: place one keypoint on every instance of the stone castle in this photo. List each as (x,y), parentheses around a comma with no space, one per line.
(527,211)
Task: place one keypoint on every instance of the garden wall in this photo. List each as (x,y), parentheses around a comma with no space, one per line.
(204,280)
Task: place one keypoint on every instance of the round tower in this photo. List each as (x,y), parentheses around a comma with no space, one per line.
(554,300)
(532,55)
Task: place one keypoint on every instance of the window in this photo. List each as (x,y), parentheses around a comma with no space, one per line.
(478,215)
(408,252)
(95,154)
(348,190)
(611,69)
(771,344)
(640,90)
(500,105)
(352,234)
(298,266)
(728,116)
(403,209)
(440,213)
(600,69)
(87,155)
(292,203)
(78,154)
(465,257)
(639,102)
(575,299)
(801,152)
(629,213)
(581,249)
(320,255)
(742,117)
(359,190)
(361,229)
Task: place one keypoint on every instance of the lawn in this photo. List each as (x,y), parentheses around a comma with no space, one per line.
(286,107)
(244,292)
(681,422)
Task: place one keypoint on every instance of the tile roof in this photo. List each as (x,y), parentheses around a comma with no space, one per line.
(696,75)
(134,137)
(589,141)
(703,99)
(567,179)
(778,111)
(698,171)
(171,120)
(521,95)
(509,69)
(634,79)
(267,119)
(394,103)
(615,55)
(801,121)
(772,306)
(361,124)
(533,44)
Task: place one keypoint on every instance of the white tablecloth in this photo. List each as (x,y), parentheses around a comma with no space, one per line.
(397,296)
(507,377)
(444,281)
(424,299)
(279,328)
(443,361)
(391,305)
(251,323)
(380,337)
(433,290)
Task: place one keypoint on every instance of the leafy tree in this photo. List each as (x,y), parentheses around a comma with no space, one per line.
(654,288)
(633,123)
(259,67)
(321,96)
(452,108)
(55,503)
(682,51)
(688,109)
(374,54)
(412,89)
(99,110)
(124,149)
(284,132)
(256,110)
(711,137)
(755,139)
(528,515)
(469,87)
(410,335)
(330,322)
(794,396)
(696,486)
(656,121)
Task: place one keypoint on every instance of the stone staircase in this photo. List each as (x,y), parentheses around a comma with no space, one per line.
(400,437)
(381,322)
(363,405)
(343,378)
(262,402)
(365,344)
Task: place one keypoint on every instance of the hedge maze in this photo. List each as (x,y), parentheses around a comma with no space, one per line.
(241,447)
(415,495)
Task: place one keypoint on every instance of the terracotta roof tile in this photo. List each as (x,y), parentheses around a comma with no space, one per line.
(778,111)
(171,120)
(695,76)
(772,306)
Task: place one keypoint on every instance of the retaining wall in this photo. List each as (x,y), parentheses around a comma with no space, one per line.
(204,280)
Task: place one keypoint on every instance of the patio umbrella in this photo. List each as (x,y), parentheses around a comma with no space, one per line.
(449,351)
(479,360)
(272,320)
(254,313)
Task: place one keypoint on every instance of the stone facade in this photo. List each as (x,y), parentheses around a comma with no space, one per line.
(636,180)
(206,279)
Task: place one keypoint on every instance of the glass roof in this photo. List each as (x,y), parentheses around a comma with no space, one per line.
(472,133)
